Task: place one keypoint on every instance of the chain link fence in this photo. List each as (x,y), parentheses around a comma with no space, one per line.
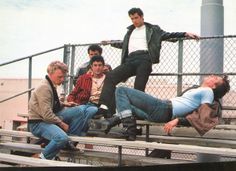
(182,64)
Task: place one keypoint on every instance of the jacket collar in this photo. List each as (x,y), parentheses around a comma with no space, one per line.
(148,25)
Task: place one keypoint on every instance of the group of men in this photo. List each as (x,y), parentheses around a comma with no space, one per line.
(95,87)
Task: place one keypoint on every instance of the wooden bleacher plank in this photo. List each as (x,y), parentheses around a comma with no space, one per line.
(226,134)
(154,145)
(10,158)
(220,126)
(95,155)
(12,133)
(140,144)
(194,141)
(5,165)
(173,139)
(227,127)
(128,159)
(24,147)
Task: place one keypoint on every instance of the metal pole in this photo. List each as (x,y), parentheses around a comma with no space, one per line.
(212,50)
(212,23)
(180,68)
(147,138)
(119,156)
(66,59)
(72,68)
(29,93)
(30,78)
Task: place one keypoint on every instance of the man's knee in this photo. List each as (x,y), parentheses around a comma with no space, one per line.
(121,89)
(61,138)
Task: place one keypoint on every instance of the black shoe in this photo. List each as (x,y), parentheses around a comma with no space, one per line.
(42,142)
(165,154)
(71,146)
(100,113)
(111,122)
(139,131)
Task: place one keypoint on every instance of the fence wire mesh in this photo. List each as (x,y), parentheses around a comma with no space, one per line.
(182,64)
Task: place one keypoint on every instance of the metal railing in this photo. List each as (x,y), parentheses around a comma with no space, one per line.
(16,95)
(179,67)
(29,58)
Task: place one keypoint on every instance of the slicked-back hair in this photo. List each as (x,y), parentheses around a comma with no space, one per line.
(97,59)
(95,48)
(132,11)
(221,89)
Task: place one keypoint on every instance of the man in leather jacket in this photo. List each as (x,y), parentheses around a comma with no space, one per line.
(140,49)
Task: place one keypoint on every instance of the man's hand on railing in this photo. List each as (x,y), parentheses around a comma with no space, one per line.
(192,36)
(107,42)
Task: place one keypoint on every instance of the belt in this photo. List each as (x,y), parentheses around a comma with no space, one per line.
(170,107)
(138,52)
(35,121)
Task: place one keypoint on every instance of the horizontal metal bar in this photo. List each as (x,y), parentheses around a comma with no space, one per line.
(27,57)
(24,92)
(191,74)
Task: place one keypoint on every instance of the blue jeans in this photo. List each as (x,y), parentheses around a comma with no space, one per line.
(77,119)
(88,111)
(131,101)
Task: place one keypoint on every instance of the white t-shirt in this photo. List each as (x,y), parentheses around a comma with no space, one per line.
(138,40)
(97,84)
(191,100)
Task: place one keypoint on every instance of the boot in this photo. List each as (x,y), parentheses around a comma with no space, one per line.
(111,122)
(129,128)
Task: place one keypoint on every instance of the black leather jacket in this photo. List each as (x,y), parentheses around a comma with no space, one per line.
(154,36)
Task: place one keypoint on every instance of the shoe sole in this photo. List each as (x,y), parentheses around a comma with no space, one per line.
(100,124)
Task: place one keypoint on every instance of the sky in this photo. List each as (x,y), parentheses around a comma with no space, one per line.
(32,26)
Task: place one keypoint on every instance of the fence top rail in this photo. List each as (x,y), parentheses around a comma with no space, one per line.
(100,43)
(31,56)
(21,93)
(175,39)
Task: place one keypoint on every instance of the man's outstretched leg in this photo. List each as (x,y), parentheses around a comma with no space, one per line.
(113,77)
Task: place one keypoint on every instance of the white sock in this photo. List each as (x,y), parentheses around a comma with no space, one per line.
(104,107)
(42,156)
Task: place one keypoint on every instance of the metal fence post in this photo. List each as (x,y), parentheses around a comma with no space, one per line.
(119,156)
(72,66)
(180,67)
(66,59)
(30,78)
(29,93)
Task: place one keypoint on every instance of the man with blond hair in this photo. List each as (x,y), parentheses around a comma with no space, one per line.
(48,117)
